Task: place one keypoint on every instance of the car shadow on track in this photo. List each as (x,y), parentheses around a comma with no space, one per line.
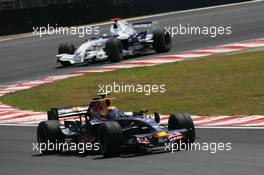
(135,153)
(97,156)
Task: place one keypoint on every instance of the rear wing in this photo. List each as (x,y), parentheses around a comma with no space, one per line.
(57,113)
(149,25)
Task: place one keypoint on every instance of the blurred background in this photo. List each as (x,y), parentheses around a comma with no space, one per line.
(19,16)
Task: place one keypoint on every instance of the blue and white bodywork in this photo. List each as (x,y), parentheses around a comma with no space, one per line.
(124,39)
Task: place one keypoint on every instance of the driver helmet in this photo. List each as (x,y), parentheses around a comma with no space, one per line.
(112,113)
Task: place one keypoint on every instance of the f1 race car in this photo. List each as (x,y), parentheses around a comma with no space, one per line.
(102,123)
(125,39)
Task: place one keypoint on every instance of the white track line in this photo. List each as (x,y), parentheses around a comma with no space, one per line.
(211,119)
(125,66)
(16,113)
(27,119)
(234,121)
(253,124)
(251,45)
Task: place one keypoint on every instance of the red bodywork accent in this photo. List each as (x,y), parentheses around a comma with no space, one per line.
(115,19)
(175,137)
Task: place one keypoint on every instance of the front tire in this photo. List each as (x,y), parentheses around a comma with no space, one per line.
(110,138)
(66,48)
(182,120)
(114,49)
(162,41)
(65,63)
(49,132)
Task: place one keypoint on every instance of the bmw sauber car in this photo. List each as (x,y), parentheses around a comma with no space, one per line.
(102,123)
(125,39)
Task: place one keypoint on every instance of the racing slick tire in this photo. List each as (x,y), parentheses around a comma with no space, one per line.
(65,63)
(66,48)
(157,117)
(53,114)
(114,49)
(48,132)
(110,138)
(162,41)
(182,120)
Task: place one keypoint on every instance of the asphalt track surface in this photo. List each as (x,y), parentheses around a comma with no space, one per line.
(32,58)
(246,157)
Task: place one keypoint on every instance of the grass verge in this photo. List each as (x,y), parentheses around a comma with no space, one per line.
(222,85)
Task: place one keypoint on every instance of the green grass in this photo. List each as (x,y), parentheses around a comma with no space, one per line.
(222,85)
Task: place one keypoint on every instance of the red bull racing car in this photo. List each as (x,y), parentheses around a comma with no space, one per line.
(101,122)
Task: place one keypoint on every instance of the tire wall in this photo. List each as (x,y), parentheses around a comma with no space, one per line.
(22,20)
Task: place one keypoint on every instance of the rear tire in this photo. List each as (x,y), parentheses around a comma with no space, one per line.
(162,41)
(182,120)
(114,49)
(110,138)
(66,48)
(49,132)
